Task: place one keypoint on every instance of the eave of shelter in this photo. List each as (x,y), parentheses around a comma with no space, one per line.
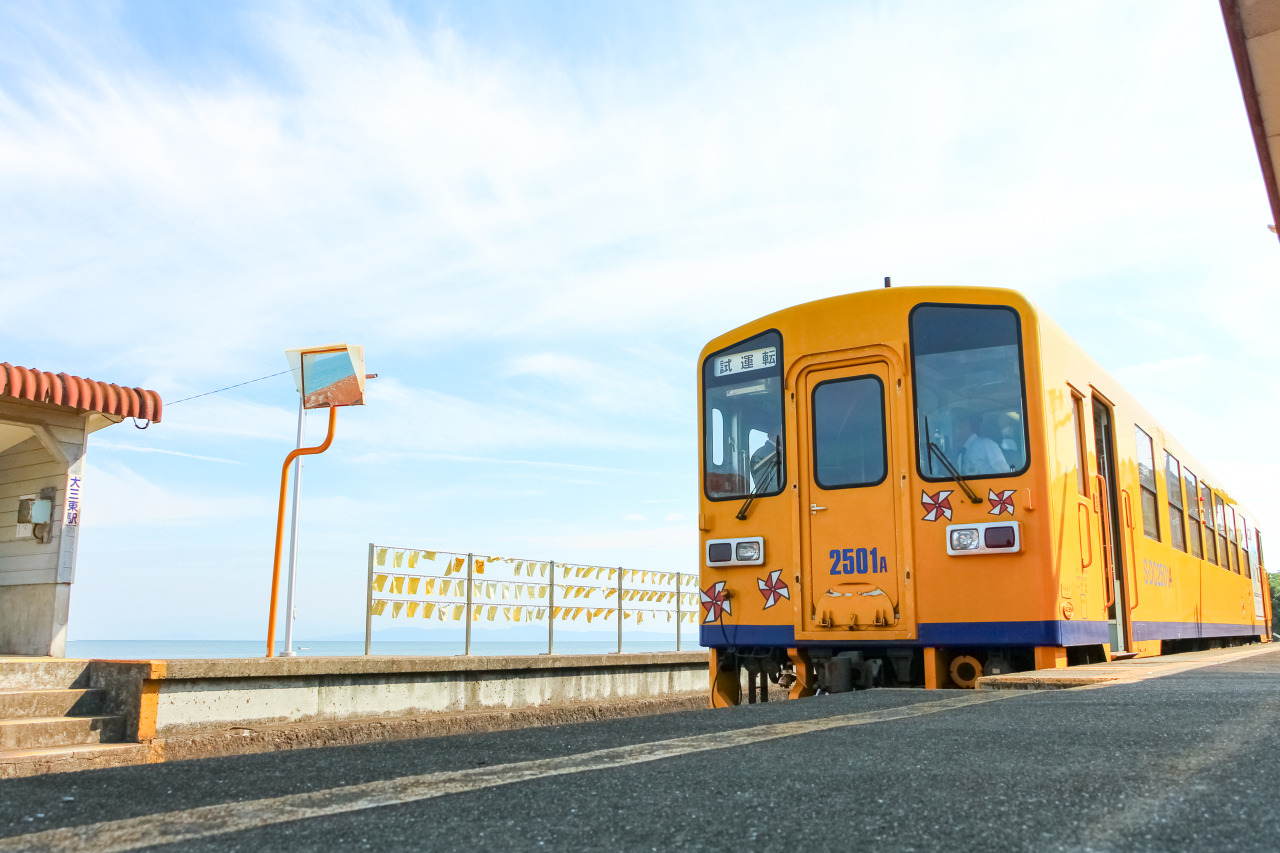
(1253,27)
(103,403)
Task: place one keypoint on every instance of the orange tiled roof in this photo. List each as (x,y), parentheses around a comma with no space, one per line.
(76,392)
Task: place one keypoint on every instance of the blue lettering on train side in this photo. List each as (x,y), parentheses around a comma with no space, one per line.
(1156,574)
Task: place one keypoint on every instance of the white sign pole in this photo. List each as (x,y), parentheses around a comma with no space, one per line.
(293,543)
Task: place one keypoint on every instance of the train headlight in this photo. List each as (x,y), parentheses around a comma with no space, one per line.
(964,539)
(743,551)
(997,537)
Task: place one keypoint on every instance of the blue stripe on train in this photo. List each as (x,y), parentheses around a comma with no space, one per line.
(1048,632)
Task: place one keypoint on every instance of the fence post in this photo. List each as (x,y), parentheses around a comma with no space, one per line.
(551,610)
(368,606)
(620,609)
(678,616)
(469,576)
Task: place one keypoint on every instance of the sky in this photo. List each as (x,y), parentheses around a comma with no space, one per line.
(534,215)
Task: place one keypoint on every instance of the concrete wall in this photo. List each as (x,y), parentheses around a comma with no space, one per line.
(197,696)
(37,447)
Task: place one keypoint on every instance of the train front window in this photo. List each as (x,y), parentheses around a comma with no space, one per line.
(742,400)
(969,391)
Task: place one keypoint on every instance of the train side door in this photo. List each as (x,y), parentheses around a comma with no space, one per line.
(1107,499)
(851,542)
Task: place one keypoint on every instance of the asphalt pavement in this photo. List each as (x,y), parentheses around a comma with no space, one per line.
(1181,762)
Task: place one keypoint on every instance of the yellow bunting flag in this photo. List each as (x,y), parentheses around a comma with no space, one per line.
(397,585)
(478,565)
(379,581)
(542,613)
(639,617)
(506,591)
(555,612)
(398,559)
(577,591)
(460,588)
(609,593)
(542,592)
(577,611)
(493,611)
(506,613)
(396,607)
(413,586)
(599,611)
(668,616)
(428,586)
(457,611)
(517,613)
(590,615)
(382,557)
(455,565)
(378,607)
(412,610)
(519,591)
(413,559)
(612,572)
(429,555)
(519,568)
(427,608)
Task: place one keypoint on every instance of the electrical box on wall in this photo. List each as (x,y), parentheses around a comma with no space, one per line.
(35,516)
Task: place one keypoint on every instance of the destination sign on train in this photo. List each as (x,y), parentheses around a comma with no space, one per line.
(743,362)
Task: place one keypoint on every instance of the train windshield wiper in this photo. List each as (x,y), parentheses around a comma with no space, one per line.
(946,463)
(764,481)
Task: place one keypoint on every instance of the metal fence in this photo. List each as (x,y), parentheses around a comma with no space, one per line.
(445,586)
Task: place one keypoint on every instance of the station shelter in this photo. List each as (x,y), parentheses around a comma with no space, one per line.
(45,422)
(1253,28)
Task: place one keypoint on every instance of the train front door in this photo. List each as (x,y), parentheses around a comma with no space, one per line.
(852,550)
(1107,502)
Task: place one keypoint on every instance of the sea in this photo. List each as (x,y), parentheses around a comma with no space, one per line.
(207,649)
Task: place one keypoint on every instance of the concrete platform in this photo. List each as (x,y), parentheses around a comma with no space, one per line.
(1120,672)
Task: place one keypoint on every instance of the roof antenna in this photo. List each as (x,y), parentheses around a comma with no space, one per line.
(886,282)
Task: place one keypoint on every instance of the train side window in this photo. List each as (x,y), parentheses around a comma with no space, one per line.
(1231,534)
(1077,421)
(1192,493)
(1219,522)
(1246,544)
(1147,483)
(1206,512)
(848,433)
(1173,486)
(1262,564)
(969,395)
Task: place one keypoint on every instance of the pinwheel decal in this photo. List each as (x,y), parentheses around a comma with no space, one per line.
(715,601)
(1001,502)
(773,588)
(936,506)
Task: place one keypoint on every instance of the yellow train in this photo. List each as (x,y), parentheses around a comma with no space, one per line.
(925,485)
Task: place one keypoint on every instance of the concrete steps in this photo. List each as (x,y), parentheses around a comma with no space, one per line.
(64,759)
(51,720)
(52,702)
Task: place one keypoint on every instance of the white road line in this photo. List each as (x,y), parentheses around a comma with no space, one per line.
(206,821)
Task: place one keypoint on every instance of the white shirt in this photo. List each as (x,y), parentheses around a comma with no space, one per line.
(981,456)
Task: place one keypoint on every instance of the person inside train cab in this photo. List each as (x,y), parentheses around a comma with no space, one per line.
(977,454)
